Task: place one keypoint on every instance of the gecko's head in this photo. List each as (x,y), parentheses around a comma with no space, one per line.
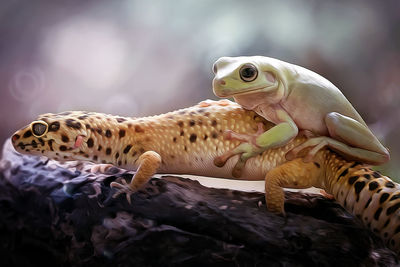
(244,75)
(57,136)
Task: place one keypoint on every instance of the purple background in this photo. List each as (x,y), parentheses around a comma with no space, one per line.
(137,58)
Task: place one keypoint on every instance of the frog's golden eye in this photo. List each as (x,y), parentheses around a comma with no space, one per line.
(248,72)
(39,128)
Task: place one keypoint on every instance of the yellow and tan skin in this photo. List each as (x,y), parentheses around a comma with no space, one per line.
(188,140)
(296,100)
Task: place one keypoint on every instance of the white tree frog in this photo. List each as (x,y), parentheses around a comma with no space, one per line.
(295,99)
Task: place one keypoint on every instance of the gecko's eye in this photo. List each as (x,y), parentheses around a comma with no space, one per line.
(39,128)
(248,72)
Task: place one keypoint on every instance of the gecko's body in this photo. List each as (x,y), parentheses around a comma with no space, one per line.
(188,140)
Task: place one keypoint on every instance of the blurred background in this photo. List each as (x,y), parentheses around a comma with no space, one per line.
(138,58)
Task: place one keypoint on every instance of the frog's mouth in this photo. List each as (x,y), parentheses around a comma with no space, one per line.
(250,90)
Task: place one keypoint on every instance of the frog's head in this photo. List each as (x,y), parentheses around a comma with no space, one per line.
(243,75)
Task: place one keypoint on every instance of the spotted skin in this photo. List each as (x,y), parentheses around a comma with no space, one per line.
(187,141)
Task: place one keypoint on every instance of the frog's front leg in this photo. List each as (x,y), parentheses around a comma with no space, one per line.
(148,165)
(347,136)
(257,143)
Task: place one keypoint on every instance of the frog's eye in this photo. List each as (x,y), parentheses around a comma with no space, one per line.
(248,72)
(215,69)
(39,128)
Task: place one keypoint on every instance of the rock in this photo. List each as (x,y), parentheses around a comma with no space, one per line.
(60,214)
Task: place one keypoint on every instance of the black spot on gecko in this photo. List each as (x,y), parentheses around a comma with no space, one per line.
(182,133)
(73,124)
(373,185)
(120,120)
(117,155)
(397,229)
(27,134)
(214,123)
(95,157)
(99,148)
(394,197)
(50,142)
(193,138)
(205,137)
(54,127)
(99,131)
(376,174)
(355,164)
(127,148)
(63,148)
(392,209)
(119,162)
(174,139)
(88,126)
(108,151)
(352,180)
(386,223)
(64,138)
(358,186)
(342,174)
(41,141)
(180,123)
(34,144)
(367,176)
(383,197)
(317,164)
(368,202)
(90,142)
(389,184)
(192,123)
(214,135)
(108,133)
(83,117)
(121,133)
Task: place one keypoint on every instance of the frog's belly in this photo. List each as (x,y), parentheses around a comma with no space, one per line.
(312,122)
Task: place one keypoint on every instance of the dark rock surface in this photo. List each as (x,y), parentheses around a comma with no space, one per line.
(59,214)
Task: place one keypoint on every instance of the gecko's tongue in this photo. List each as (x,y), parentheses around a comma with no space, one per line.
(78,141)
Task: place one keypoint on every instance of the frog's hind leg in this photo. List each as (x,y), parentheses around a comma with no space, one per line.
(349,137)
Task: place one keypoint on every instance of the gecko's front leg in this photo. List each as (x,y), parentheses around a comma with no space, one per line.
(148,165)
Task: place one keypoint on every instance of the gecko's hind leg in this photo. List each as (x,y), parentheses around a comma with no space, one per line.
(148,165)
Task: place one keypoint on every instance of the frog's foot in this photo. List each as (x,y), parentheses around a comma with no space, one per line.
(306,133)
(317,143)
(246,150)
(148,165)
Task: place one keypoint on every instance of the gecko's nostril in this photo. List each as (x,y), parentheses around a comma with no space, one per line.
(15,137)
(222,82)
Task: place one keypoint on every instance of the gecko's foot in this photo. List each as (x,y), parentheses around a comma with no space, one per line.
(326,195)
(101,168)
(123,188)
